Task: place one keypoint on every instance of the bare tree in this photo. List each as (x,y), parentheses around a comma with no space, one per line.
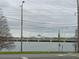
(4,32)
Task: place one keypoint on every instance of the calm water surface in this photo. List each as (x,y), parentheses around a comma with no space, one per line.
(42,46)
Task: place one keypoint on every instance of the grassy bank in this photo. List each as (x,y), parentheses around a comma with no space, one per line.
(34,52)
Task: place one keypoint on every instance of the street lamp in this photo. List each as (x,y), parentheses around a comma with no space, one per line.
(78,23)
(22,24)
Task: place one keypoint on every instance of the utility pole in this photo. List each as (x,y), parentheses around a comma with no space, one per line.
(78,23)
(22,24)
(59,40)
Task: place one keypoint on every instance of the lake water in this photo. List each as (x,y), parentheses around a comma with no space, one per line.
(43,46)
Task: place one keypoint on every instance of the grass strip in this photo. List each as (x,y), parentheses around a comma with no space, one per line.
(34,52)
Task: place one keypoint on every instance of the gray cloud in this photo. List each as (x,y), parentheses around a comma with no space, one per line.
(4,4)
(40,15)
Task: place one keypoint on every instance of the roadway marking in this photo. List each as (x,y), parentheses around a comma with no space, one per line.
(24,58)
(61,55)
(76,55)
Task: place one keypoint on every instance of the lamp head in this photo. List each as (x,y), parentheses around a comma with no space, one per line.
(23,1)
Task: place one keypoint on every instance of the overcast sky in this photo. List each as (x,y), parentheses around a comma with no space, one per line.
(40,16)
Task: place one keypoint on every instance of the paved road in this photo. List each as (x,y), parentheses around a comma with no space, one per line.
(40,56)
(57,57)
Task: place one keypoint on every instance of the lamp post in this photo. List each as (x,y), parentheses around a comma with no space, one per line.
(78,23)
(22,24)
